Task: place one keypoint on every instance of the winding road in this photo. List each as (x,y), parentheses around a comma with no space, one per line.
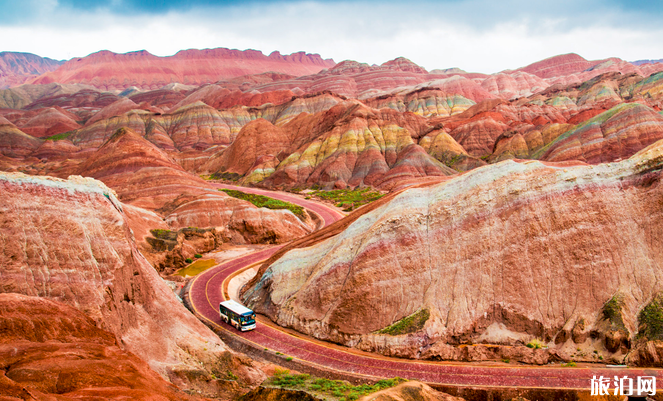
(207,291)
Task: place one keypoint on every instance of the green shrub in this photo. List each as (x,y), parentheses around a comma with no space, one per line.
(337,388)
(222,176)
(164,234)
(569,364)
(264,201)
(535,344)
(612,311)
(289,359)
(409,324)
(650,320)
(58,137)
(197,256)
(188,260)
(349,199)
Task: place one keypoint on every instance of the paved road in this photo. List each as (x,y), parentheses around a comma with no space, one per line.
(207,291)
(328,214)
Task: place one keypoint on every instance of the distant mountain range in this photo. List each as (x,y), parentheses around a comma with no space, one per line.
(641,62)
(112,71)
(17,68)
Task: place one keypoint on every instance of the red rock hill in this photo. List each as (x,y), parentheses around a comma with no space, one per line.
(108,70)
(16,68)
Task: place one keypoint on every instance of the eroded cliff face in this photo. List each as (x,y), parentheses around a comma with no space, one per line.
(70,241)
(49,350)
(503,254)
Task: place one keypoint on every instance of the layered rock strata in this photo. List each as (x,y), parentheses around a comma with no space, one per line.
(49,350)
(495,257)
(70,241)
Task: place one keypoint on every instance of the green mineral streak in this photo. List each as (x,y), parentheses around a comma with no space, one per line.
(196,267)
(597,120)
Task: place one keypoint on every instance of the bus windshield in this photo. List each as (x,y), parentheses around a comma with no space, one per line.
(248,319)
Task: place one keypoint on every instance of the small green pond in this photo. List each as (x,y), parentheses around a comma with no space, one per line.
(196,267)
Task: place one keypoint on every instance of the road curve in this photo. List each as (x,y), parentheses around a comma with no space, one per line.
(328,214)
(207,291)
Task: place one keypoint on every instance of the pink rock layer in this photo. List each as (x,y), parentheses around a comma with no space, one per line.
(499,255)
(50,350)
(70,241)
(108,70)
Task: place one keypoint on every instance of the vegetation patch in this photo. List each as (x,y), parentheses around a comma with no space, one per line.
(612,312)
(264,201)
(234,177)
(338,389)
(58,137)
(452,162)
(164,234)
(409,324)
(349,199)
(535,344)
(196,267)
(650,320)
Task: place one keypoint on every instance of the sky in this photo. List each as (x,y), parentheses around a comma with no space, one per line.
(476,35)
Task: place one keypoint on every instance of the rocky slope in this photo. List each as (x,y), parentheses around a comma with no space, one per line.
(16,68)
(348,145)
(108,70)
(70,241)
(164,197)
(49,350)
(481,264)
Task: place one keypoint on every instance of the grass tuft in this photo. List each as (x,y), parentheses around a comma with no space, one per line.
(651,320)
(336,388)
(264,201)
(164,234)
(612,311)
(349,199)
(409,324)
(58,137)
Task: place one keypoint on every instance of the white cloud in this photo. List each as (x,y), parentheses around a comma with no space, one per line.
(433,38)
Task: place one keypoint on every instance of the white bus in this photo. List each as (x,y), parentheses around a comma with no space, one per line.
(237,315)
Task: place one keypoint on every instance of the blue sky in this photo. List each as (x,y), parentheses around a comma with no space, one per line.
(476,35)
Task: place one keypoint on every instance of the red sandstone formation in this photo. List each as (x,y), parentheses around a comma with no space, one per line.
(14,142)
(613,135)
(16,68)
(145,176)
(499,255)
(426,102)
(352,145)
(70,241)
(565,64)
(49,350)
(44,122)
(510,86)
(108,70)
